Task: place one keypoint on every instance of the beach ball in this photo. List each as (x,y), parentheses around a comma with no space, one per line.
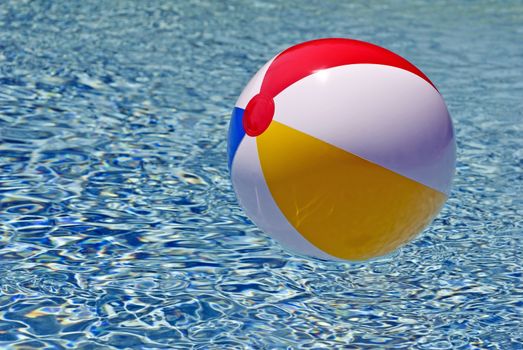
(340,149)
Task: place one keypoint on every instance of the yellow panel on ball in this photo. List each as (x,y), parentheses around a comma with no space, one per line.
(343,204)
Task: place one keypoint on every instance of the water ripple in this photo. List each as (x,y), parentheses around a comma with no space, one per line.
(120,228)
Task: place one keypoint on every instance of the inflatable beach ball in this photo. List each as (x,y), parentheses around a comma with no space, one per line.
(341,149)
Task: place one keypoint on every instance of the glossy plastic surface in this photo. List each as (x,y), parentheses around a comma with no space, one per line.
(354,149)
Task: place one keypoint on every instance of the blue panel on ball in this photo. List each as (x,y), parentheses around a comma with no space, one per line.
(236,134)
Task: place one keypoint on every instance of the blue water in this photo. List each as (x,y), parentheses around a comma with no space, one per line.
(118,224)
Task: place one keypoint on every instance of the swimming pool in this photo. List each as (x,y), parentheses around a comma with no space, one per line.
(119,226)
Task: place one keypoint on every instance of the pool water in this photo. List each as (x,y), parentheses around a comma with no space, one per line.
(119,227)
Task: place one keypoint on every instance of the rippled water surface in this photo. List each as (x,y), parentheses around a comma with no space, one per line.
(118,224)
